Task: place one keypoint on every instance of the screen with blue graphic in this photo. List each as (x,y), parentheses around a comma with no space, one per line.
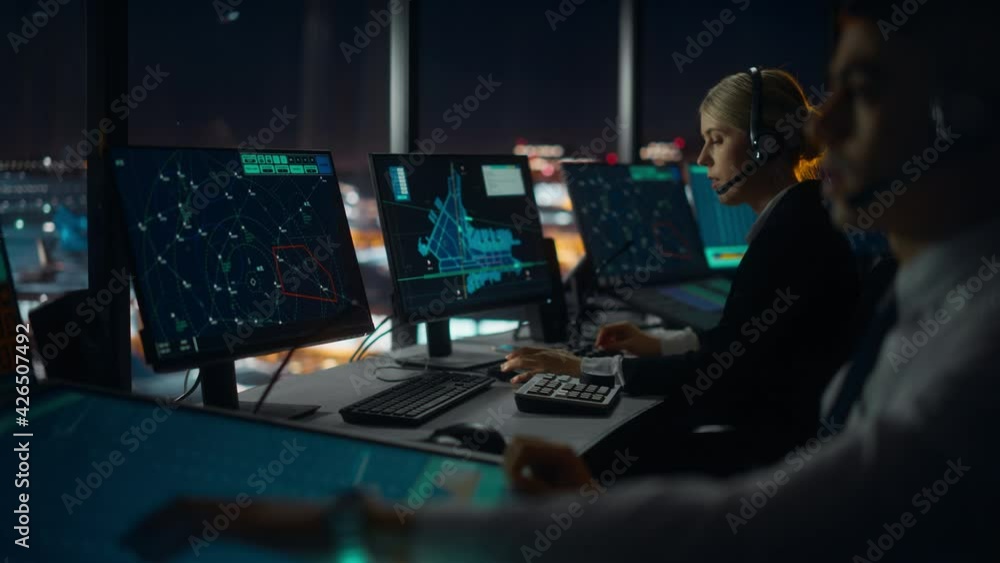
(462,233)
(635,222)
(237,253)
(101,463)
(724,228)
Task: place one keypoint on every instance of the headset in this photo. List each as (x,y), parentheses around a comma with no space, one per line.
(759,135)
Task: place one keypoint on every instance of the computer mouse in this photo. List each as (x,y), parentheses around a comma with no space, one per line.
(496,373)
(472,436)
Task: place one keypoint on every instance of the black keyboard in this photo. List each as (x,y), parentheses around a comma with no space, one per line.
(560,394)
(416,400)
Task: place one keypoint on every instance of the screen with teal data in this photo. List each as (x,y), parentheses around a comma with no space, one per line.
(462,232)
(723,228)
(99,463)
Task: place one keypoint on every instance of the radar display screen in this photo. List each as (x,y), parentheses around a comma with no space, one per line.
(237,253)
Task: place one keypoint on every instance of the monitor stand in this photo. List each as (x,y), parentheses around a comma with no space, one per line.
(441,354)
(218,389)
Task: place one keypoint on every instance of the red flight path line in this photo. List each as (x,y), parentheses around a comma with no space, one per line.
(281,278)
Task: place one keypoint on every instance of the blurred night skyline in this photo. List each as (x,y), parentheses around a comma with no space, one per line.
(557,86)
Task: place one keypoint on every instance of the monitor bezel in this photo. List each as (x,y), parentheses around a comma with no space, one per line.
(415,317)
(656,279)
(315,332)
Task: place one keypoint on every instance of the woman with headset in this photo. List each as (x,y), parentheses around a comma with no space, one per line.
(786,322)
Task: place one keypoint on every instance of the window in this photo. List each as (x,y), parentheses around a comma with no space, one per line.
(538,75)
(684,52)
(275,75)
(43,206)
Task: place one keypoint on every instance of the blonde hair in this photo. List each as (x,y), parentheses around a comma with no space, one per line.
(784,110)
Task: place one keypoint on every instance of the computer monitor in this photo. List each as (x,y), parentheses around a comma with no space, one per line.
(463,235)
(723,228)
(236,253)
(636,223)
(177,450)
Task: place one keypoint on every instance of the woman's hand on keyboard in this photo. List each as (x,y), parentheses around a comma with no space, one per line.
(626,337)
(541,360)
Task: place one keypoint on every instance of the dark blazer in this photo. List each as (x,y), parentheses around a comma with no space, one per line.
(785,329)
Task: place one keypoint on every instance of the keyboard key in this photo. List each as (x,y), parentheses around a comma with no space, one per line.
(591,388)
(584,395)
(598,397)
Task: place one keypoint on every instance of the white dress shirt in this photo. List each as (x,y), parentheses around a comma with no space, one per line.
(914,475)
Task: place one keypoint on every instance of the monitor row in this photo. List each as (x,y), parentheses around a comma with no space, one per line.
(239,253)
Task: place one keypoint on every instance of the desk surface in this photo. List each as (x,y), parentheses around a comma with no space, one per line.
(343,385)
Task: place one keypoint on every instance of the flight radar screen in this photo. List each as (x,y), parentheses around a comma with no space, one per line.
(237,253)
(635,222)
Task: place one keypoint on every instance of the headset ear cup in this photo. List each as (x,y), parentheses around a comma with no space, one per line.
(761,154)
